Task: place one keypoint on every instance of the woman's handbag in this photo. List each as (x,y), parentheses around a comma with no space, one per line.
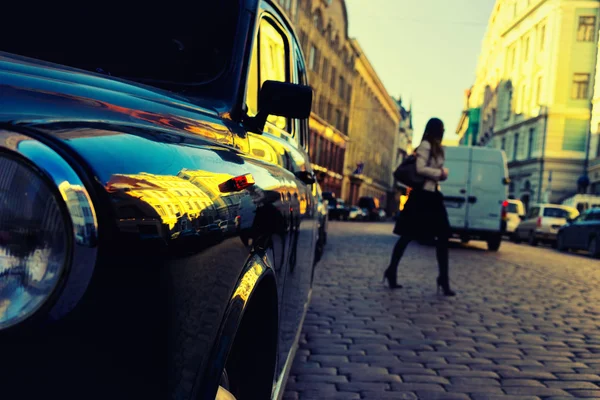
(406,173)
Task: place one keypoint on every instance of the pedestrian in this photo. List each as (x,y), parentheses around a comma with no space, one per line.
(424,216)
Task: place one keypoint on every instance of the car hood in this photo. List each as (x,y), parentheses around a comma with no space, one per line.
(35,92)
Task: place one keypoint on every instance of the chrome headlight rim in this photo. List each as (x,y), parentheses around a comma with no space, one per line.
(52,165)
(46,305)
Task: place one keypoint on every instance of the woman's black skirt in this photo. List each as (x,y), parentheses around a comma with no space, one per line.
(424,216)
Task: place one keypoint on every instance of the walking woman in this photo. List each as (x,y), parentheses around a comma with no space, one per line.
(424,216)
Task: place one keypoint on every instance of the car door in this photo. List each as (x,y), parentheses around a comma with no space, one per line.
(456,187)
(529,223)
(576,236)
(275,57)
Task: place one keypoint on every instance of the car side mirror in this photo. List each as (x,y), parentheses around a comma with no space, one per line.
(283,100)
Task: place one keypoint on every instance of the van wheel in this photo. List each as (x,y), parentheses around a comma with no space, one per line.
(532,240)
(494,243)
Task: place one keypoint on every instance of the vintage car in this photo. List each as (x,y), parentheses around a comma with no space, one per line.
(158,219)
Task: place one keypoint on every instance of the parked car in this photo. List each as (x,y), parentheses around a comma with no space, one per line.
(338,210)
(581,233)
(475,193)
(582,202)
(323,220)
(542,222)
(357,214)
(515,211)
(371,205)
(157,216)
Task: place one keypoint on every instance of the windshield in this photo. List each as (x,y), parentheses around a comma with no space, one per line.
(182,42)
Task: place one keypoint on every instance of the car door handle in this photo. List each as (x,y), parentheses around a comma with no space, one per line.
(472,199)
(463,191)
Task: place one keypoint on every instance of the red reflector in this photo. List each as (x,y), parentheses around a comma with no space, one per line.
(505,204)
(539,222)
(237,184)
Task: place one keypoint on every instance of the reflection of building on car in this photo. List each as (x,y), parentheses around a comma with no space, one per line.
(83,218)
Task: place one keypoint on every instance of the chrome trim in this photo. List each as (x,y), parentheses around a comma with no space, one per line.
(77,201)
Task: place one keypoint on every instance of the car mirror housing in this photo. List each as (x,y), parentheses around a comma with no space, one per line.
(283,100)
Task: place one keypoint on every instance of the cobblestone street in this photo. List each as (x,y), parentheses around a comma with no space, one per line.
(524,324)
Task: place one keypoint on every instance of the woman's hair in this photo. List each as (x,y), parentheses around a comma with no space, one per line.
(434,133)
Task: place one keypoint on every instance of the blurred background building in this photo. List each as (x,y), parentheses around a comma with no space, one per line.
(532,94)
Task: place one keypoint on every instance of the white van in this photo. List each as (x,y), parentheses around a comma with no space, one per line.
(475,193)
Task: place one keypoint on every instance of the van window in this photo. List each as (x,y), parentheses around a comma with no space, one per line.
(556,213)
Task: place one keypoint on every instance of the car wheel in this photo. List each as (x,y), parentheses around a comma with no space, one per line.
(532,240)
(594,248)
(560,243)
(465,239)
(494,243)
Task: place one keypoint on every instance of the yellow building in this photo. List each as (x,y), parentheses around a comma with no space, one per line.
(532,92)
(322,28)
(374,136)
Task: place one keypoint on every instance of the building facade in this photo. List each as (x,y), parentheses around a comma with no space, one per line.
(533,91)
(373,137)
(322,27)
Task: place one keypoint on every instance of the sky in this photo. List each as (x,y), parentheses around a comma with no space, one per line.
(424,50)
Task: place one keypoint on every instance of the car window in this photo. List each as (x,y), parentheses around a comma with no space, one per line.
(269,62)
(533,213)
(513,208)
(556,212)
(301,125)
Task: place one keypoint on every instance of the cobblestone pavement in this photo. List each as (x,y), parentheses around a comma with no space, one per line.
(524,325)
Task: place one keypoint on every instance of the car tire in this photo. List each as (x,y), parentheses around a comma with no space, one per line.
(465,239)
(594,247)
(494,243)
(560,243)
(532,240)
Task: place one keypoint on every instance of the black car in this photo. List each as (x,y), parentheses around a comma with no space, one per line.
(158,221)
(581,233)
(371,206)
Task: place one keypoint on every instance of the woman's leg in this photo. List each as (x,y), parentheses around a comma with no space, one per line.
(397,254)
(442,259)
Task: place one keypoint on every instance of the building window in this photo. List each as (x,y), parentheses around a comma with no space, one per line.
(349,93)
(531,142)
(540,83)
(581,83)
(322,105)
(526,49)
(342,87)
(542,37)
(325,69)
(333,77)
(516,147)
(329,111)
(312,58)
(503,144)
(345,130)
(338,119)
(303,38)
(523,102)
(585,32)
(318,21)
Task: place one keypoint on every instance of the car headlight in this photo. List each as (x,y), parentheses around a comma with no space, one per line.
(34,241)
